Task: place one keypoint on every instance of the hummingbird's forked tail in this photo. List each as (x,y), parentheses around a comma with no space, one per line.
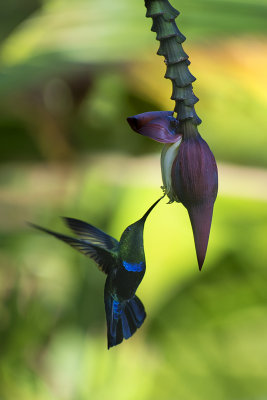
(123,319)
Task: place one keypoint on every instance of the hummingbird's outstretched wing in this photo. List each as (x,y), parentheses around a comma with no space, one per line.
(105,259)
(89,232)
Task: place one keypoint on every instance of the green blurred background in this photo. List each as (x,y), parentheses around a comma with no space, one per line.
(70,74)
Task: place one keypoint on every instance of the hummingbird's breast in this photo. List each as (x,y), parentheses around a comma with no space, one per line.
(128,277)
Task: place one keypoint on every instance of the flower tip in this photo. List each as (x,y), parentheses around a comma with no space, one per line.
(200,218)
(160,126)
(200,264)
(133,122)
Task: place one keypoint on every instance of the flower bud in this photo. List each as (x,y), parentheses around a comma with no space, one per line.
(189,171)
(194,178)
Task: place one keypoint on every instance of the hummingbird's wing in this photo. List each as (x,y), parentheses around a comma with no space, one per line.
(89,232)
(105,259)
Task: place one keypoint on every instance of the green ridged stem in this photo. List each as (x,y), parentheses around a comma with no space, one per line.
(176,59)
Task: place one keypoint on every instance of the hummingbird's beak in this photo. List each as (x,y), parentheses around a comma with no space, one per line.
(150,209)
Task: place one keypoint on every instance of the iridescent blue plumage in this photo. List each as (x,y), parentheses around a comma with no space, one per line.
(138,267)
(124,264)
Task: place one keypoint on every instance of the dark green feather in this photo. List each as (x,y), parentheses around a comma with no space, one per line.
(103,258)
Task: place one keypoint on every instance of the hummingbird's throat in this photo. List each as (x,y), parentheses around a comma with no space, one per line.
(134,267)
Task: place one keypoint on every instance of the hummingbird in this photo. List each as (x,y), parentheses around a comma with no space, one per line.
(124,264)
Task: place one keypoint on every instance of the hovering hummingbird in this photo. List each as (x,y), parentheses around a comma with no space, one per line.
(124,264)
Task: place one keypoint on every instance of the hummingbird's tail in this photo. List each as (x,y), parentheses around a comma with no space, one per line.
(123,319)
